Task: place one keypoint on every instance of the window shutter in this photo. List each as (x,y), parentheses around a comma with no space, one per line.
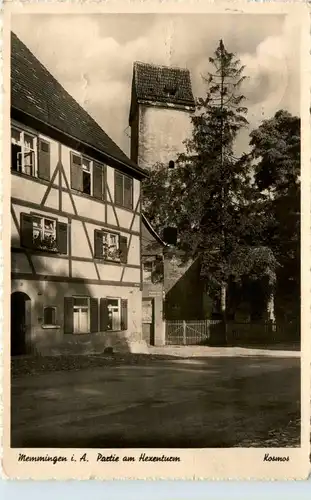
(123,249)
(98,244)
(103,315)
(68,314)
(94,315)
(118,188)
(98,178)
(128,192)
(62,237)
(76,172)
(44,160)
(123,314)
(26,230)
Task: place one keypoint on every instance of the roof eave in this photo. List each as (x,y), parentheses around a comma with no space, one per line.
(159,103)
(136,169)
(152,231)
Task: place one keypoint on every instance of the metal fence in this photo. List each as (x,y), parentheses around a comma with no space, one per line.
(211,332)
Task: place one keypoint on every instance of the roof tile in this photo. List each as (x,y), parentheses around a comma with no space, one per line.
(36,92)
(163,84)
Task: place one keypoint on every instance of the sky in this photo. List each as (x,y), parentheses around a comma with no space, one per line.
(92,57)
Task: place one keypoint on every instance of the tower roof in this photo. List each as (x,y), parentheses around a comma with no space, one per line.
(164,84)
(36,93)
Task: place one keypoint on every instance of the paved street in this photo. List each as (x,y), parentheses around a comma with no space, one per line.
(201,402)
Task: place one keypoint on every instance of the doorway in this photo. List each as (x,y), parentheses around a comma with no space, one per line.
(20,323)
(148,320)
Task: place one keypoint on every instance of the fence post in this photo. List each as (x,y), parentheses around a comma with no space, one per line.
(184,332)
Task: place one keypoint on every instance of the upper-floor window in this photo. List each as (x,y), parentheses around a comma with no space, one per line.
(43,233)
(23,149)
(123,190)
(30,155)
(87,176)
(110,246)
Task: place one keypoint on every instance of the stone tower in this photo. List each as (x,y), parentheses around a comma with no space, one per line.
(162,103)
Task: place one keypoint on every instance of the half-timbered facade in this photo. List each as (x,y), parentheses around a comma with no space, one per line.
(76,223)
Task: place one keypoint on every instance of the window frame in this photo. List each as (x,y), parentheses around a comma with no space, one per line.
(119,313)
(122,204)
(152,262)
(34,150)
(93,164)
(109,233)
(50,325)
(82,307)
(55,220)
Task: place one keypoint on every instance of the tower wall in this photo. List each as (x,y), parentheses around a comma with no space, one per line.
(158,134)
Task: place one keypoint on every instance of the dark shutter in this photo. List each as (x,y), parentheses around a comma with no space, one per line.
(98,175)
(123,249)
(94,315)
(98,244)
(118,188)
(103,325)
(62,237)
(68,314)
(26,230)
(128,192)
(76,172)
(123,314)
(44,160)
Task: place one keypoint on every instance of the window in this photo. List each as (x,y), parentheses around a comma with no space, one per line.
(30,155)
(114,314)
(87,176)
(123,190)
(23,152)
(110,246)
(43,233)
(153,270)
(147,271)
(49,316)
(81,314)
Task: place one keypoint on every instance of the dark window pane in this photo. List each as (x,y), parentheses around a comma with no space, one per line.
(77,160)
(81,301)
(128,184)
(49,316)
(118,187)
(86,183)
(15,157)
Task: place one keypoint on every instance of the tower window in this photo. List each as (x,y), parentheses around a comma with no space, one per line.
(170,90)
(171,164)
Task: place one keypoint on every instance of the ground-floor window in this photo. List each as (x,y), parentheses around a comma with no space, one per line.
(88,314)
(81,314)
(49,315)
(114,314)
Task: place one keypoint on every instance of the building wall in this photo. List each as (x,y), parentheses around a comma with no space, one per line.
(49,341)
(185,298)
(152,249)
(49,277)
(161,133)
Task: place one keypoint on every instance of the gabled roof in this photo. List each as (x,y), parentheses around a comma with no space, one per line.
(162,84)
(35,92)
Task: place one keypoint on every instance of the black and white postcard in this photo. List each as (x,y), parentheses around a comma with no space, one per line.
(156,220)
